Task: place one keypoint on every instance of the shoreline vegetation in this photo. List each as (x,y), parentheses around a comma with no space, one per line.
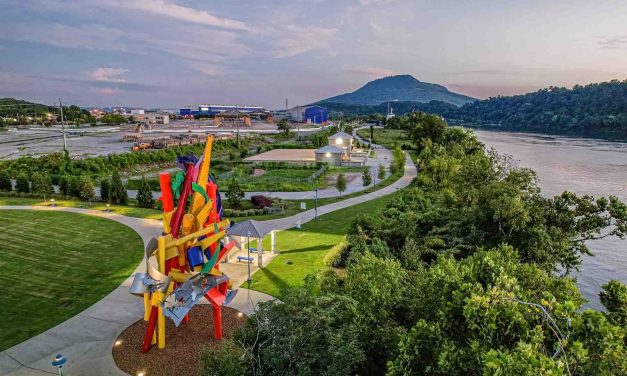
(456,274)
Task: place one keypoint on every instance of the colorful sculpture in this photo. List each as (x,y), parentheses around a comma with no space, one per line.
(182,265)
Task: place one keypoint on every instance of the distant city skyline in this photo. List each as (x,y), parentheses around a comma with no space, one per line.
(172,53)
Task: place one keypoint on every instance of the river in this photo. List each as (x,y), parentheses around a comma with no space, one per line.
(582,166)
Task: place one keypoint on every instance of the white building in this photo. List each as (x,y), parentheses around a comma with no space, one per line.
(151,117)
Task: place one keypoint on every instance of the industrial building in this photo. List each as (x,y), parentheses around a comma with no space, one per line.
(141,116)
(312,114)
(214,109)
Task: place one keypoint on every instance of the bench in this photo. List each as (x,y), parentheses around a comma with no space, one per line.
(244,258)
(254,250)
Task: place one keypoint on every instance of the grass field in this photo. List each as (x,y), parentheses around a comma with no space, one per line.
(385,137)
(55,264)
(307,247)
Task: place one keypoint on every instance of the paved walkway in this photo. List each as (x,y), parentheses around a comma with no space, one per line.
(86,339)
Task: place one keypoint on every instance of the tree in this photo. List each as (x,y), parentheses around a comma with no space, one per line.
(284,126)
(22,185)
(86,188)
(118,194)
(5,181)
(234,193)
(614,298)
(64,184)
(105,189)
(144,195)
(366,177)
(42,184)
(340,184)
(381,173)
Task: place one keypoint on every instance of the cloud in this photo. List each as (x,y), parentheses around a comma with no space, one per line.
(224,44)
(615,43)
(108,91)
(376,2)
(108,74)
(100,84)
(164,8)
(372,71)
(486,91)
(296,40)
(91,37)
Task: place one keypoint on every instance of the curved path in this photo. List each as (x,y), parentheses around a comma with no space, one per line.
(86,339)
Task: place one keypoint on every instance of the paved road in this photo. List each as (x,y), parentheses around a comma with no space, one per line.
(86,339)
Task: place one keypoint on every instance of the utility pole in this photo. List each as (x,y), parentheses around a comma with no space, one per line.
(63,127)
(298,122)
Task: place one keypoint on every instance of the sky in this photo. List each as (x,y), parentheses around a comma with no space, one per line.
(172,53)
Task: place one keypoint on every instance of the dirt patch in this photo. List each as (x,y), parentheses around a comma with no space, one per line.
(258,172)
(184,344)
(332,178)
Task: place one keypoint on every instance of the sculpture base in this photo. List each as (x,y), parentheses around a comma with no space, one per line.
(183,346)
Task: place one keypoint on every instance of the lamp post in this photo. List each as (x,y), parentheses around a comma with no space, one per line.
(248,260)
(52,202)
(59,361)
(316,204)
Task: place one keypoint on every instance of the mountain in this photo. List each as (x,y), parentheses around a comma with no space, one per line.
(597,110)
(399,88)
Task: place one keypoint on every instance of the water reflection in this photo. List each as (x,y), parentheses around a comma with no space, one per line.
(582,166)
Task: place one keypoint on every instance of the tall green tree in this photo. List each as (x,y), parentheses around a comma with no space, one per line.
(366,177)
(105,189)
(41,183)
(144,195)
(86,188)
(118,194)
(340,183)
(22,184)
(381,173)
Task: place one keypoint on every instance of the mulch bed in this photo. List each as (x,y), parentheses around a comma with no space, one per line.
(183,345)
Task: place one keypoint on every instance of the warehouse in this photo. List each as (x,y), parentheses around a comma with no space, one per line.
(312,114)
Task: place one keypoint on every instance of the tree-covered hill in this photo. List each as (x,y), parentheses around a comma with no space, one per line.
(596,110)
(26,112)
(13,107)
(399,88)
(399,107)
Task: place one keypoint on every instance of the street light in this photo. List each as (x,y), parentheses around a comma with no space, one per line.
(59,361)
(248,260)
(52,202)
(108,207)
(316,204)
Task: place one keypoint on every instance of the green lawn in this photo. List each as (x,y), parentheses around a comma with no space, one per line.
(385,137)
(56,264)
(307,247)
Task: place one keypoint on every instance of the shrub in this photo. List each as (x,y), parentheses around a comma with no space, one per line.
(5,181)
(260,201)
(335,257)
(234,193)
(224,359)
